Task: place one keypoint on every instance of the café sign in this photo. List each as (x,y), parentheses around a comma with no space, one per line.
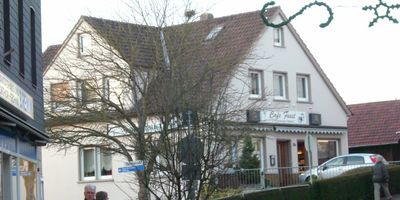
(283,117)
(15,95)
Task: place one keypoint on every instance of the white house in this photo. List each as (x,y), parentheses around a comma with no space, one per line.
(286,95)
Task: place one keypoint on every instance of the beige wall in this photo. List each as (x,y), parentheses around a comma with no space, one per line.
(62,182)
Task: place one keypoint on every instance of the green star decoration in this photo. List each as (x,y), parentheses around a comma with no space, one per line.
(375,8)
(323,25)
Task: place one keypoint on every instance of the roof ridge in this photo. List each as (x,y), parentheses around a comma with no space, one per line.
(114,21)
(374,102)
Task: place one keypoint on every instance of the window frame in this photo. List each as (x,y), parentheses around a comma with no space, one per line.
(337,141)
(215,31)
(278,37)
(84,44)
(97,160)
(260,84)
(59,104)
(284,86)
(306,89)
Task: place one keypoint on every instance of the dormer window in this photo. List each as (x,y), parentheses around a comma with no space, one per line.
(278,37)
(85,43)
(214,33)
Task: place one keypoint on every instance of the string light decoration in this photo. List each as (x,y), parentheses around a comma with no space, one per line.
(317,3)
(382,5)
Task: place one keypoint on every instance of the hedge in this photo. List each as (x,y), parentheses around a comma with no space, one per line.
(354,185)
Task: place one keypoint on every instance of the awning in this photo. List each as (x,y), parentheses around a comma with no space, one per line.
(312,130)
(21,123)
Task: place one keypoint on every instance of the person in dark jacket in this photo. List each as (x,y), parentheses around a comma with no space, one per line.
(380,178)
(101,195)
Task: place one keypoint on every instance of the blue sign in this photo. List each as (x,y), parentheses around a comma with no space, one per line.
(135,168)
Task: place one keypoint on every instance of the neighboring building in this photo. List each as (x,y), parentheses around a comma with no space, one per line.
(21,101)
(375,128)
(271,67)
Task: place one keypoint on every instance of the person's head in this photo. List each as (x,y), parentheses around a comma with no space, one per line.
(101,195)
(379,158)
(90,191)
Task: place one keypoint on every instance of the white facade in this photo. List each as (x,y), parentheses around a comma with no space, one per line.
(291,60)
(283,61)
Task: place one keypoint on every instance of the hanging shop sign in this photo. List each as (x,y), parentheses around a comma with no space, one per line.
(15,95)
(283,117)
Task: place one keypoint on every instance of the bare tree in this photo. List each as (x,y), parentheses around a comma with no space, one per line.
(152,93)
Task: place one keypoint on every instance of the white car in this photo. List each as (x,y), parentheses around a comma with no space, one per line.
(338,165)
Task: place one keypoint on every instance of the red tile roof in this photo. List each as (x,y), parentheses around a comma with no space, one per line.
(376,123)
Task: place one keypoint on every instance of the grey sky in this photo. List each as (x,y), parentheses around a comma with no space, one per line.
(363,63)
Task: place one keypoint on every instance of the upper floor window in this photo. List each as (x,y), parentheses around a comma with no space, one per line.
(7,33)
(303,88)
(214,32)
(255,84)
(60,94)
(33,48)
(278,37)
(95,164)
(280,86)
(85,44)
(91,90)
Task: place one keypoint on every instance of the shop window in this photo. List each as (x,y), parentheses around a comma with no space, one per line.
(27,178)
(302,156)
(327,149)
(255,84)
(95,164)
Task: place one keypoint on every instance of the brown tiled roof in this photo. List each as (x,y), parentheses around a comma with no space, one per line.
(49,54)
(136,43)
(376,123)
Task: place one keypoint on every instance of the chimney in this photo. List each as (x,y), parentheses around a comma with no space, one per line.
(206,16)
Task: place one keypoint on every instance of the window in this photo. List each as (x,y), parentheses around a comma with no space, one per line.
(106,88)
(327,149)
(335,162)
(60,94)
(84,41)
(303,88)
(255,84)
(87,91)
(6,32)
(278,37)
(95,164)
(280,82)
(355,160)
(21,37)
(33,48)
(214,33)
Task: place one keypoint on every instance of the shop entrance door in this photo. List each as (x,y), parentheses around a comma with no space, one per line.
(284,162)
